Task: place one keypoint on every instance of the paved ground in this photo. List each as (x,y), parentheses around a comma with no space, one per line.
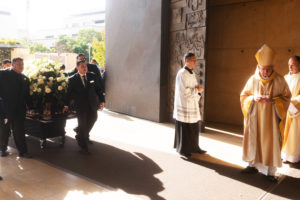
(136,157)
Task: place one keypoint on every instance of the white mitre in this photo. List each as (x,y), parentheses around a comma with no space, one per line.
(265,56)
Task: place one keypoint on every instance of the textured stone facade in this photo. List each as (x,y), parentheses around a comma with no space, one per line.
(188,34)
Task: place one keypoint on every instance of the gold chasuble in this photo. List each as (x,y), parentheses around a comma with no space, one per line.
(291,141)
(264,121)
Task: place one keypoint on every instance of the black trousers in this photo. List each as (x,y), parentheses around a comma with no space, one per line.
(86,120)
(16,126)
(186,137)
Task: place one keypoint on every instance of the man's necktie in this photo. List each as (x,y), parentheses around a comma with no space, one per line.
(84,80)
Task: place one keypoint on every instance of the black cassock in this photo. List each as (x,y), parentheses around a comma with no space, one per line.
(186,137)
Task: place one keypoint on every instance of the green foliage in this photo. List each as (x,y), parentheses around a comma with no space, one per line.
(99,49)
(87,35)
(64,44)
(11,41)
(78,44)
(37,47)
(25,42)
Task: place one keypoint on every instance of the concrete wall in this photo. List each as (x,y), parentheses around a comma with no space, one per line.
(136,82)
(68,59)
(236,30)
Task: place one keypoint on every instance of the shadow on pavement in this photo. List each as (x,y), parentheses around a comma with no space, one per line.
(286,188)
(107,165)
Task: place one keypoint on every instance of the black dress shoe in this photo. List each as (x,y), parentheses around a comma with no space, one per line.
(273,179)
(25,155)
(1,178)
(186,155)
(201,151)
(249,170)
(3,153)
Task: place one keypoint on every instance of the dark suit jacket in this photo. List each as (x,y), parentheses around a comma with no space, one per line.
(2,114)
(14,90)
(85,97)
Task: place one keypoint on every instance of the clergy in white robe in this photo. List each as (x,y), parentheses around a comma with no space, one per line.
(186,109)
(264,102)
(291,142)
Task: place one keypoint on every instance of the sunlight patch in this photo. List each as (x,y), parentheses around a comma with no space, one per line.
(81,195)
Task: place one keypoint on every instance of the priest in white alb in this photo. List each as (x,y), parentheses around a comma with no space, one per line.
(264,101)
(291,142)
(186,109)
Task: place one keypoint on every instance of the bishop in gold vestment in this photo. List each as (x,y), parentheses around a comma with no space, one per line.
(264,101)
(291,142)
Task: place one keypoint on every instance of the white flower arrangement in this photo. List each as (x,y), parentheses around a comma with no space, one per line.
(48,84)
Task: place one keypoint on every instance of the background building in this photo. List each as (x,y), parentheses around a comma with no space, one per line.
(72,24)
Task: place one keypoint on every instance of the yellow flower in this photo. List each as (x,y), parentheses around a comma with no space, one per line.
(50,78)
(40,81)
(47,90)
(60,88)
(64,84)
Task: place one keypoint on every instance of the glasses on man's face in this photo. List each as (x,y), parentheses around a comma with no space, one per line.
(266,69)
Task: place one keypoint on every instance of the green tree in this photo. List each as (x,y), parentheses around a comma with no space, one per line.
(11,41)
(80,44)
(25,42)
(86,36)
(37,47)
(99,49)
(64,44)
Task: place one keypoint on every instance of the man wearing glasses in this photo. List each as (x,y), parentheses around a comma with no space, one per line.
(264,101)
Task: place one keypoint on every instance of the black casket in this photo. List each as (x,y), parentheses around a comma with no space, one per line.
(44,127)
(48,90)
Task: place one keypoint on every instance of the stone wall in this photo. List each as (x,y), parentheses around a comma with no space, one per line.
(188,34)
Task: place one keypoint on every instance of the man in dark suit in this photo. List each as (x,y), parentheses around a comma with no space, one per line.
(91,68)
(3,119)
(86,91)
(14,91)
